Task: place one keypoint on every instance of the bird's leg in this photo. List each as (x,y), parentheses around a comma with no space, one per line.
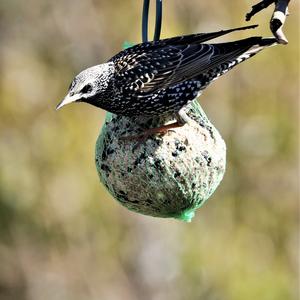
(151,131)
(181,120)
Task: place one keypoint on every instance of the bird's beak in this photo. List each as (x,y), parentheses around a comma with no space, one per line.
(68,99)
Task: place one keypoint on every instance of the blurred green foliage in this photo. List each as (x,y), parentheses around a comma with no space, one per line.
(62,236)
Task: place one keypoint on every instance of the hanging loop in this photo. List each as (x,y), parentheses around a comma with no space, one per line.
(145,20)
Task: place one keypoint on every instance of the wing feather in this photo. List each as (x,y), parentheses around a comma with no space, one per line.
(149,70)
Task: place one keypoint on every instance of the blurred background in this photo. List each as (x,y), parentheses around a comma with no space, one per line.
(62,236)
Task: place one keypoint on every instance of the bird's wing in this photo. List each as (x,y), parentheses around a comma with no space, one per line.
(126,59)
(148,69)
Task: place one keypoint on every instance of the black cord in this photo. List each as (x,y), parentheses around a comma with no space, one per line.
(158,20)
(145,19)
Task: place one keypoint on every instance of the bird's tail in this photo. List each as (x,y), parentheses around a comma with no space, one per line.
(267,42)
(200,37)
(259,44)
(203,37)
(236,52)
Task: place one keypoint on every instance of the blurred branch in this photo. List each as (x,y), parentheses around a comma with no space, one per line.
(278,18)
(258,7)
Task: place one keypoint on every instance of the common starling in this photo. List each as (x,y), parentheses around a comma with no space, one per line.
(161,77)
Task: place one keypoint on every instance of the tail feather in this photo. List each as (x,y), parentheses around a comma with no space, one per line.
(200,37)
(255,45)
(258,45)
(267,42)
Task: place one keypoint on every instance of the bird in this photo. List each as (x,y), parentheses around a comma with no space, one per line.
(161,77)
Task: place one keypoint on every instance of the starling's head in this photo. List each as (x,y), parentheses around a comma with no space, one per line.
(91,85)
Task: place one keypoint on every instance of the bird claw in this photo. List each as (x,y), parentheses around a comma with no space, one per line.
(159,130)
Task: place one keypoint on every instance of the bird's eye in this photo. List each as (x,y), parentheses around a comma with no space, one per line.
(86,89)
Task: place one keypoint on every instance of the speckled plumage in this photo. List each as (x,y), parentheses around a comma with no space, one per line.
(160,77)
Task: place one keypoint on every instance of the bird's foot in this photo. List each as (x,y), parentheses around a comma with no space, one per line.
(151,131)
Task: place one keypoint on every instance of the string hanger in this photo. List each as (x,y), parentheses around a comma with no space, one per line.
(145,20)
